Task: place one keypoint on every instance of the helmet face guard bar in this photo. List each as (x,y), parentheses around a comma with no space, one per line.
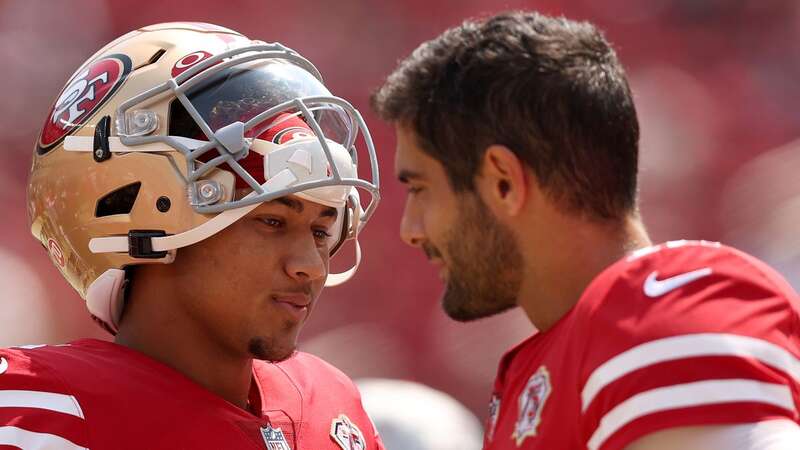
(231,142)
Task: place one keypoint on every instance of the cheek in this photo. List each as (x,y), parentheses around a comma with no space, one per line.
(439,218)
(422,212)
(236,260)
(316,290)
(203,268)
(258,259)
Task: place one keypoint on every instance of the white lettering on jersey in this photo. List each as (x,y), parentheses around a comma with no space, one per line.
(656,288)
(3,365)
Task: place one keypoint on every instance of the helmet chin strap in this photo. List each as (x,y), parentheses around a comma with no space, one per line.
(336,279)
(108,244)
(282,180)
(292,166)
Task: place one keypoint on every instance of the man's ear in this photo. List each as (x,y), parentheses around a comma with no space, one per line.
(504,181)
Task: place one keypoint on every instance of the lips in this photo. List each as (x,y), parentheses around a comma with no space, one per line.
(299,300)
(295,305)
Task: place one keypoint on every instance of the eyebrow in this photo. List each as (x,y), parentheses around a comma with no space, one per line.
(298,206)
(329,212)
(406,175)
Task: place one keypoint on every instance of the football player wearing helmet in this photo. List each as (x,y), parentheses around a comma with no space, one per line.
(192,185)
(517,137)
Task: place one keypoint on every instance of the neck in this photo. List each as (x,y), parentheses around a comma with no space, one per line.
(574,259)
(154,325)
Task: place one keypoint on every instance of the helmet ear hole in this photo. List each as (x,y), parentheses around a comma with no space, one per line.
(119,201)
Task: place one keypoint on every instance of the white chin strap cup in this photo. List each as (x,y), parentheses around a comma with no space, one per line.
(104,297)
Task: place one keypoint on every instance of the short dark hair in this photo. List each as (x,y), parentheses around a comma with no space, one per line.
(549,89)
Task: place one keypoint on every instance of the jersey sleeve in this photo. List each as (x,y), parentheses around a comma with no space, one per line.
(688,337)
(377,437)
(766,435)
(370,430)
(36,408)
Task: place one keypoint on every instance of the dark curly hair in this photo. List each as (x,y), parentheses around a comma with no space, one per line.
(549,89)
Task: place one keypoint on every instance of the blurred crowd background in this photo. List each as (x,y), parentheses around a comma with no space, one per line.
(717,89)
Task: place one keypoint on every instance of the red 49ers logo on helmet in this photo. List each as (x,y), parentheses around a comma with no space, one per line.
(84,94)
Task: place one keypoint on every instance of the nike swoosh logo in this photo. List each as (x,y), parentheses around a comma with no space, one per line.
(3,365)
(653,287)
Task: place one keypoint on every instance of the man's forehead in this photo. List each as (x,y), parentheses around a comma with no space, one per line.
(410,160)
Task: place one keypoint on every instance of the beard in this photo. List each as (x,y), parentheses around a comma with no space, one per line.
(485,266)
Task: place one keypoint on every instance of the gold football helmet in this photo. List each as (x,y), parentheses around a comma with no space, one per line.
(171,133)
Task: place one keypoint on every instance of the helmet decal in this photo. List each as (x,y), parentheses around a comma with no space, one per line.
(287,134)
(55,252)
(84,94)
(188,61)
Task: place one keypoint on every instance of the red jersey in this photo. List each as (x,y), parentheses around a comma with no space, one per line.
(97,395)
(681,334)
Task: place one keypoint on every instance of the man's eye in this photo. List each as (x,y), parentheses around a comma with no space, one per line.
(414,190)
(274,223)
(321,234)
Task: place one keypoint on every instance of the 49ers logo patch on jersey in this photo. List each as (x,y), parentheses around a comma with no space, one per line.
(346,434)
(531,403)
(274,438)
(84,94)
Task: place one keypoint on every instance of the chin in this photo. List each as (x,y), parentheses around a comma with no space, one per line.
(466,307)
(462,313)
(270,350)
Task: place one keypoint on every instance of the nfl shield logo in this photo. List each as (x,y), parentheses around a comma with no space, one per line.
(531,403)
(274,438)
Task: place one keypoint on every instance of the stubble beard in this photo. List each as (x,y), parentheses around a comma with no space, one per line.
(485,266)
